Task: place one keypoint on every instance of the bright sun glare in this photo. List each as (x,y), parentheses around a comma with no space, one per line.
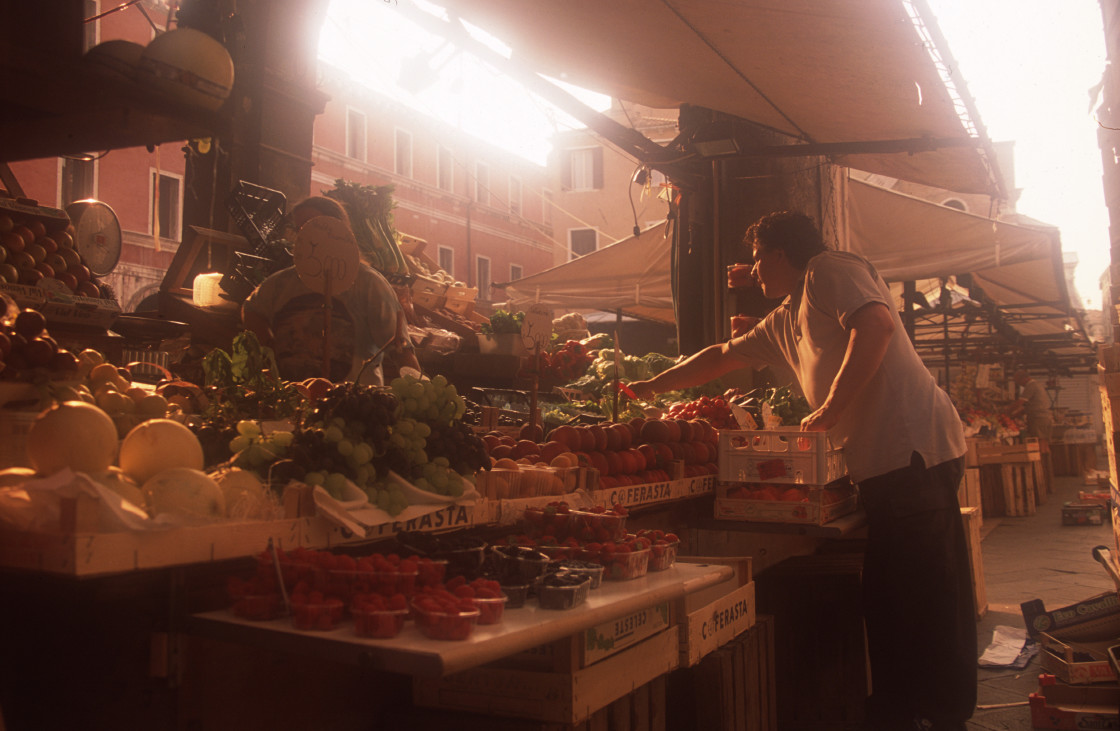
(383,50)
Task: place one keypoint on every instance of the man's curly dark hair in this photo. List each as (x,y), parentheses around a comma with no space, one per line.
(794,233)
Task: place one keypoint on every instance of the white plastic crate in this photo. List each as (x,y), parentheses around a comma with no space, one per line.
(784,455)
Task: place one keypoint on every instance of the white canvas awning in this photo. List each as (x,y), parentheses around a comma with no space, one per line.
(1018,267)
(851,72)
(632,275)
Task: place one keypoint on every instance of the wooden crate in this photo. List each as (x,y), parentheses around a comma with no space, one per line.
(712,617)
(971,519)
(999,453)
(731,689)
(553,697)
(1010,489)
(820,658)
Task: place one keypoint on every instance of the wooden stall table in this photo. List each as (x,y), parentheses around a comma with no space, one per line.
(535,663)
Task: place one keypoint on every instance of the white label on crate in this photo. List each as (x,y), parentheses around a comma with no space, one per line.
(610,637)
(453,516)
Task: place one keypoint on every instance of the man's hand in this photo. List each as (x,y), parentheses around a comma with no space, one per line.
(643,390)
(822,419)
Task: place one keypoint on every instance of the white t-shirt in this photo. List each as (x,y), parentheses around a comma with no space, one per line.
(901,410)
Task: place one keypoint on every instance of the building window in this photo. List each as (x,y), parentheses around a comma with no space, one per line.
(582,241)
(482,267)
(583,169)
(402,163)
(75,180)
(445,170)
(355,134)
(515,272)
(166,206)
(447,259)
(482,183)
(546,207)
(515,196)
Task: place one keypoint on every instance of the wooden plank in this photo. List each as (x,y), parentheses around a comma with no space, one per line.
(658,688)
(639,708)
(618,714)
(728,720)
(738,650)
(970,517)
(767,674)
(707,692)
(1007,482)
(599,721)
(752,680)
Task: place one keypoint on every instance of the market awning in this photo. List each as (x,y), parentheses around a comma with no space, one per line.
(1016,265)
(856,76)
(632,275)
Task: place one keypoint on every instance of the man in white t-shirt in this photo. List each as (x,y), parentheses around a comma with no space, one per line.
(838,331)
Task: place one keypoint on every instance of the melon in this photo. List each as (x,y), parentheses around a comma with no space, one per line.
(72,434)
(116,480)
(156,445)
(244,493)
(185,493)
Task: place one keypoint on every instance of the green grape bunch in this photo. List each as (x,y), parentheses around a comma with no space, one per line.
(433,400)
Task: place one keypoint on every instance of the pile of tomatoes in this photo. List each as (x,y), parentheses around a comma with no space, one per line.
(713,409)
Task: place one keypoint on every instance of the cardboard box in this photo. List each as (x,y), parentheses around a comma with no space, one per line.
(1084,513)
(783,455)
(823,504)
(1058,706)
(1078,663)
(1090,619)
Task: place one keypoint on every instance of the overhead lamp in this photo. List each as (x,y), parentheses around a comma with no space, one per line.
(715,140)
(716,148)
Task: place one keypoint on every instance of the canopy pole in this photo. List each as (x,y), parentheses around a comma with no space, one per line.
(909,292)
(945,339)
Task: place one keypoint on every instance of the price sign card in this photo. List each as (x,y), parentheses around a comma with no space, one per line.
(325,249)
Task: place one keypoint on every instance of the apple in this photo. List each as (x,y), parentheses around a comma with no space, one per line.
(81,273)
(69,280)
(87,289)
(46,269)
(7,223)
(49,245)
(24,233)
(13,242)
(38,228)
(30,277)
(72,257)
(3,254)
(9,273)
(22,260)
(57,262)
(63,240)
